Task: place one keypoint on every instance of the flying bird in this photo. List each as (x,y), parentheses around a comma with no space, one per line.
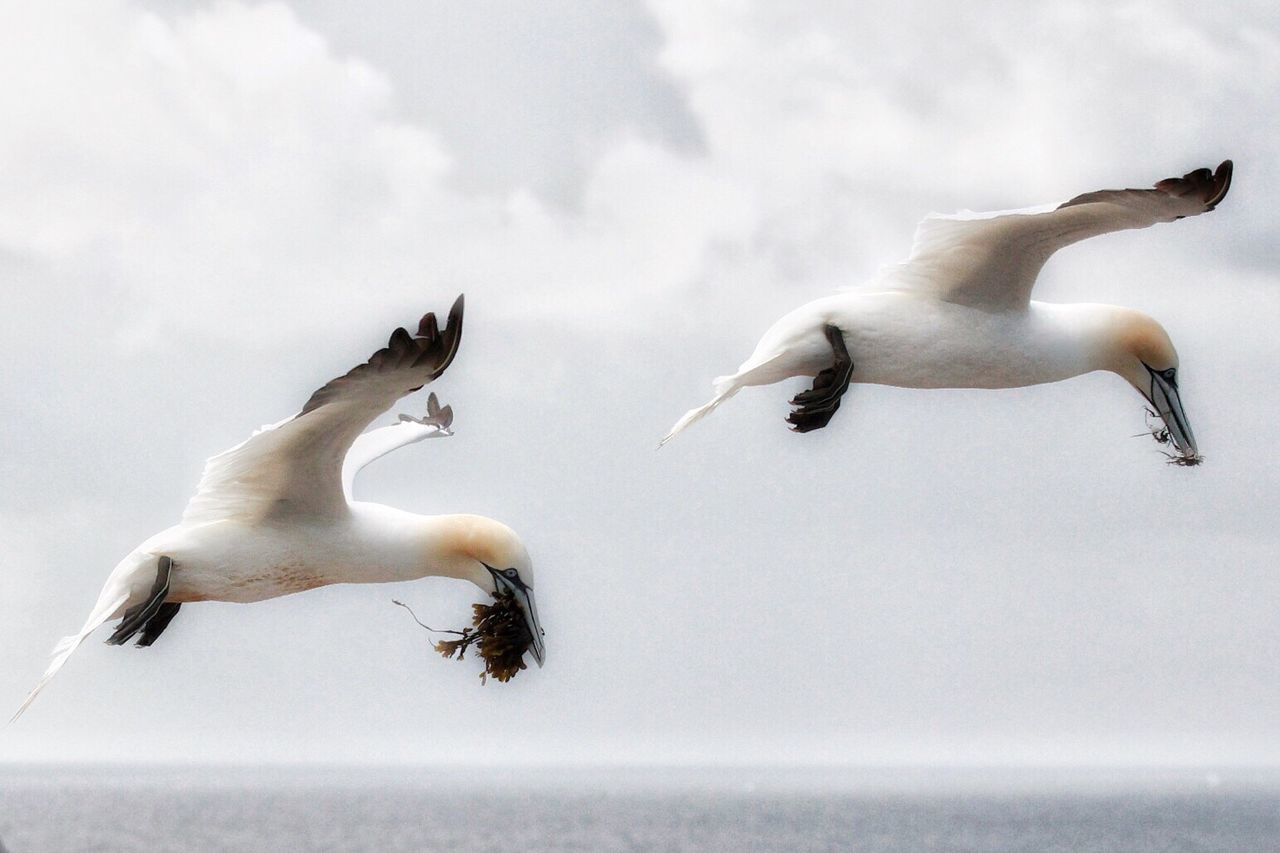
(274,515)
(958,313)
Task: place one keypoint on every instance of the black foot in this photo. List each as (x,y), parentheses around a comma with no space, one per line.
(815,407)
(140,615)
(156,624)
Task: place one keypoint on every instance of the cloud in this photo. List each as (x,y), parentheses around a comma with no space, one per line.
(214,171)
(223,168)
(920,105)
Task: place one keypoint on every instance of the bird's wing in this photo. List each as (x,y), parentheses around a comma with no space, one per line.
(407,430)
(294,468)
(991,260)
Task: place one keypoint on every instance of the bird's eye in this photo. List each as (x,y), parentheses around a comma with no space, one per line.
(1169,374)
(511,573)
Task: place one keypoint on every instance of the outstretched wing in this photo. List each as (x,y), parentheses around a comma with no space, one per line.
(379,442)
(294,468)
(991,260)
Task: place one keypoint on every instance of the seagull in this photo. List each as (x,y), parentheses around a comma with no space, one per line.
(958,313)
(274,515)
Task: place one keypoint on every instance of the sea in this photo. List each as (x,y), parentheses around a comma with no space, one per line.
(112,809)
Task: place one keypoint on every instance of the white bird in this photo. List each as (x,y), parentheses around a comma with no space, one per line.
(958,313)
(274,515)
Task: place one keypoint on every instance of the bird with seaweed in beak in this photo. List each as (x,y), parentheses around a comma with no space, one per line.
(275,514)
(958,313)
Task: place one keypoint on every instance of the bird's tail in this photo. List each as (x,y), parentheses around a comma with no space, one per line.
(60,653)
(111,602)
(725,387)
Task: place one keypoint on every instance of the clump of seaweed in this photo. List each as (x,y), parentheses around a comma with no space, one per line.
(1160,433)
(498,630)
(1186,460)
(1157,430)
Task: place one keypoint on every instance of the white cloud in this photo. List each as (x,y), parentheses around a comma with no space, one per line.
(222,168)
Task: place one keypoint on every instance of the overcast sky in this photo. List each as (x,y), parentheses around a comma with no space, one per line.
(207,210)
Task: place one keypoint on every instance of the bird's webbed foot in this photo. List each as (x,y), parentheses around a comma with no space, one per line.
(152,616)
(814,408)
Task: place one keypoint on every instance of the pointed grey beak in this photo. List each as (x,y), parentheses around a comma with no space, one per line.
(523,596)
(1164,396)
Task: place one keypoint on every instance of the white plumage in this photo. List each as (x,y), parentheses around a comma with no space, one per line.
(958,313)
(274,515)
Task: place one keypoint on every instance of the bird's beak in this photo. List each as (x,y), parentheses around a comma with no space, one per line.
(523,596)
(1164,396)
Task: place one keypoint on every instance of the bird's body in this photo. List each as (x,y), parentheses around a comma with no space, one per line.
(913,341)
(959,314)
(243,562)
(274,515)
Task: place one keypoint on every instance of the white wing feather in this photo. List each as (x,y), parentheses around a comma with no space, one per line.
(379,442)
(294,467)
(991,260)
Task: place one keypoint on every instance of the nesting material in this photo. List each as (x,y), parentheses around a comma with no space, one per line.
(499,632)
(1160,433)
(1187,460)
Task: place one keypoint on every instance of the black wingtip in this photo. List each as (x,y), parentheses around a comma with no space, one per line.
(437,415)
(432,348)
(1208,186)
(440,346)
(1221,183)
(452,334)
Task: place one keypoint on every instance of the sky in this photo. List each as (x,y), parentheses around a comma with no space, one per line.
(210,209)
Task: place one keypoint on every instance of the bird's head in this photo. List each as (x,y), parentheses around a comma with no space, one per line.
(494,559)
(1143,354)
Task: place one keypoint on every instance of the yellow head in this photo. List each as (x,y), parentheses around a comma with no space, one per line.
(1139,349)
(490,555)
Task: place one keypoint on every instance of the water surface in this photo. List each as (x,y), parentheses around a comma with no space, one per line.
(158,809)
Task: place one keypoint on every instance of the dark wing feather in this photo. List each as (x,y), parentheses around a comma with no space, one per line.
(1202,185)
(437,416)
(418,359)
(295,467)
(992,261)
